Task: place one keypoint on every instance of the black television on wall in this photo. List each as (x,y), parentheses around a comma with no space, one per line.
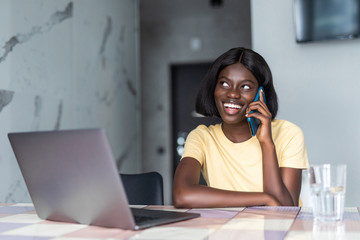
(318,20)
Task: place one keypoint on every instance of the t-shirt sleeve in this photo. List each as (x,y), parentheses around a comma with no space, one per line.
(194,145)
(293,151)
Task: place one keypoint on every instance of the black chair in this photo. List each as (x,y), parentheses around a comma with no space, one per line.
(143,188)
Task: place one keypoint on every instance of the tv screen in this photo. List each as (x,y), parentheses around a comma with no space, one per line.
(317,20)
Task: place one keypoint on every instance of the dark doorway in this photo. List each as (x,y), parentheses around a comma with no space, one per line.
(186,79)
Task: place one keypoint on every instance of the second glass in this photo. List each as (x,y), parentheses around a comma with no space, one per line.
(327,186)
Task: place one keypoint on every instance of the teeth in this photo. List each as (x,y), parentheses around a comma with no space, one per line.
(230,105)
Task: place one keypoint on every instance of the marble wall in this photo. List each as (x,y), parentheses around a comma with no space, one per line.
(66,65)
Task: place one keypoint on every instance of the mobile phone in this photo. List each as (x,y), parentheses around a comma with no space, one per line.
(254,122)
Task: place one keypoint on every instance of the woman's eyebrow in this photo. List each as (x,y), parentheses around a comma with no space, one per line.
(242,81)
(249,80)
(223,77)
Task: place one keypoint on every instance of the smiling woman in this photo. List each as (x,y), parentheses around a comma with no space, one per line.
(235,90)
(240,169)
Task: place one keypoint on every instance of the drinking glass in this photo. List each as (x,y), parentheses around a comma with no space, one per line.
(327,190)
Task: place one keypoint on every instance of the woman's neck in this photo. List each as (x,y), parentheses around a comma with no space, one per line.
(236,132)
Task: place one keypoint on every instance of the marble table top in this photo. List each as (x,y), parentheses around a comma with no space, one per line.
(20,222)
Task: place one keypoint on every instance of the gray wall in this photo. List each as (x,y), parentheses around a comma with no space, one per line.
(318,85)
(65,66)
(174,32)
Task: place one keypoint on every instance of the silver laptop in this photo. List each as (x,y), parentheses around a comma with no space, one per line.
(72,177)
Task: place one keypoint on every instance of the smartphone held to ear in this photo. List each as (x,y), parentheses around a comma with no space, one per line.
(254,122)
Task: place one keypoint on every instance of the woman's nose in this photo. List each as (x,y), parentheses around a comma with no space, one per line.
(233,93)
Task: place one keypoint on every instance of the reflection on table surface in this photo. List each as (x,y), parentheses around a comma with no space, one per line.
(19,221)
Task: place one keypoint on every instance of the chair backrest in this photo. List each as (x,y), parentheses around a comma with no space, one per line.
(143,188)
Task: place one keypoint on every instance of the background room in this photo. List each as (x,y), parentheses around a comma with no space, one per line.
(117,64)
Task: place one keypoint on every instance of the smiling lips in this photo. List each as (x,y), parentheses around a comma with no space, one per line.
(232,108)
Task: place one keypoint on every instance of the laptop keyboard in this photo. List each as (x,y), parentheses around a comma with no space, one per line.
(140,219)
(143,215)
(146,217)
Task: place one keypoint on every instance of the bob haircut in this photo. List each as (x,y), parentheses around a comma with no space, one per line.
(256,64)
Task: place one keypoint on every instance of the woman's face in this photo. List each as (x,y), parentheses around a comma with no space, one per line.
(235,89)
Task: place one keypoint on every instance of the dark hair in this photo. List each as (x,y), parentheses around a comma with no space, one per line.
(256,64)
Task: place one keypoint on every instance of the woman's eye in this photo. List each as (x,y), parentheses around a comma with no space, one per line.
(224,84)
(246,87)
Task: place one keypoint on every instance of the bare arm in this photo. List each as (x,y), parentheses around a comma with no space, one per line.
(282,183)
(187,192)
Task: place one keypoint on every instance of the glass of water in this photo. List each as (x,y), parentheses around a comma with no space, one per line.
(327,190)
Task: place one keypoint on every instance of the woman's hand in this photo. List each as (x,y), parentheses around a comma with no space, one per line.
(282,186)
(263,133)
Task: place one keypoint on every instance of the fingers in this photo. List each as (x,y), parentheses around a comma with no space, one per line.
(261,109)
(264,118)
(262,96)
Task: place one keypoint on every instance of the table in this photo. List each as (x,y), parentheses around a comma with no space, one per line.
(20,222)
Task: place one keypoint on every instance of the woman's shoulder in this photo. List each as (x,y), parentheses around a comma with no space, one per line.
(281,127)
(281,123)
(204,130)
(210,128)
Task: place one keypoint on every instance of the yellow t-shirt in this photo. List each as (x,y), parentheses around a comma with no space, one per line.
(238,166)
